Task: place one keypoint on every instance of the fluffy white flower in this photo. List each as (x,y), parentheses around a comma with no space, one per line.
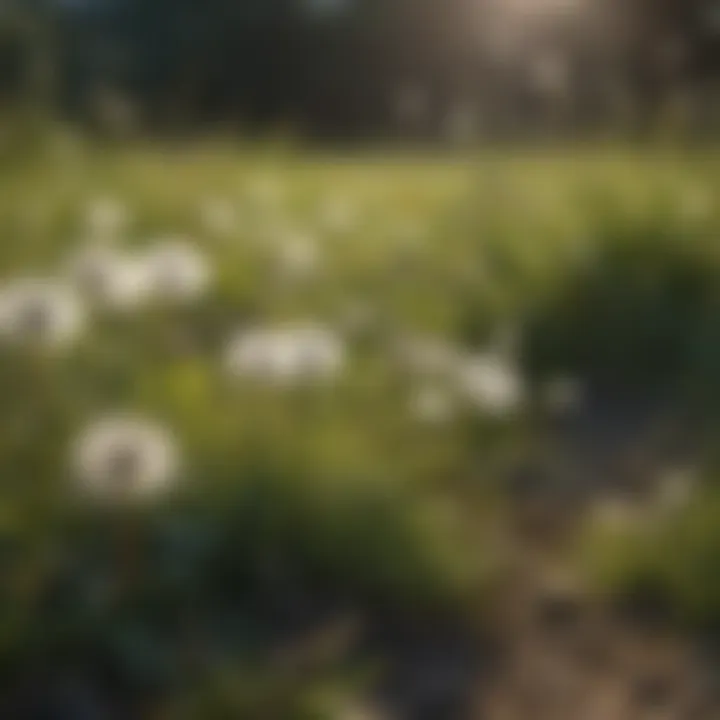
(492,383)
(177,270)
(109,278)
(287,355)
(124,457)
(40,312)
(106,217)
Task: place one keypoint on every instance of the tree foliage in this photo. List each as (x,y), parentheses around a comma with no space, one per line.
(337,67)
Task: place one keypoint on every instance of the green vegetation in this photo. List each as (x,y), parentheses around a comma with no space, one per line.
(295,504)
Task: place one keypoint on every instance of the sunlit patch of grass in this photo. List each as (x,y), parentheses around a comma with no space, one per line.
(603,263)
(664,563)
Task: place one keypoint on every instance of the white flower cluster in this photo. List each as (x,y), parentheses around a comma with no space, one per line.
(108,278)
(172,269)
(177,270)
(490,381)
(122,458)
(40,312)
(287,355)
(52,311)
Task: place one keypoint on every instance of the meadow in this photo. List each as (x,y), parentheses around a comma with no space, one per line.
(275,423)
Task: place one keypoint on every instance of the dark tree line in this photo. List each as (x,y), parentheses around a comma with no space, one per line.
(341,68)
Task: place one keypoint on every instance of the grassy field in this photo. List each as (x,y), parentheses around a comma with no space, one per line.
(387,384)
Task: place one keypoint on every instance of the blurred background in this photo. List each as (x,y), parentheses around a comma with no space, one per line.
(359,360)
(349,69)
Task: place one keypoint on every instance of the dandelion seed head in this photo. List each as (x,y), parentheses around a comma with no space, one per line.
(124,457)
(40,312)
(177,269)
(109,278)
(286,355)
(492,384)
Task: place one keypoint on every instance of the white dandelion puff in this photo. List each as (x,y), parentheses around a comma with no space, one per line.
(40,312)
(491,383)
(177,270)
(287,355)
(109,278)
(124,457)
(106,217)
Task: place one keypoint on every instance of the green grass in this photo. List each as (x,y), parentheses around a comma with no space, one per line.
(605,259)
